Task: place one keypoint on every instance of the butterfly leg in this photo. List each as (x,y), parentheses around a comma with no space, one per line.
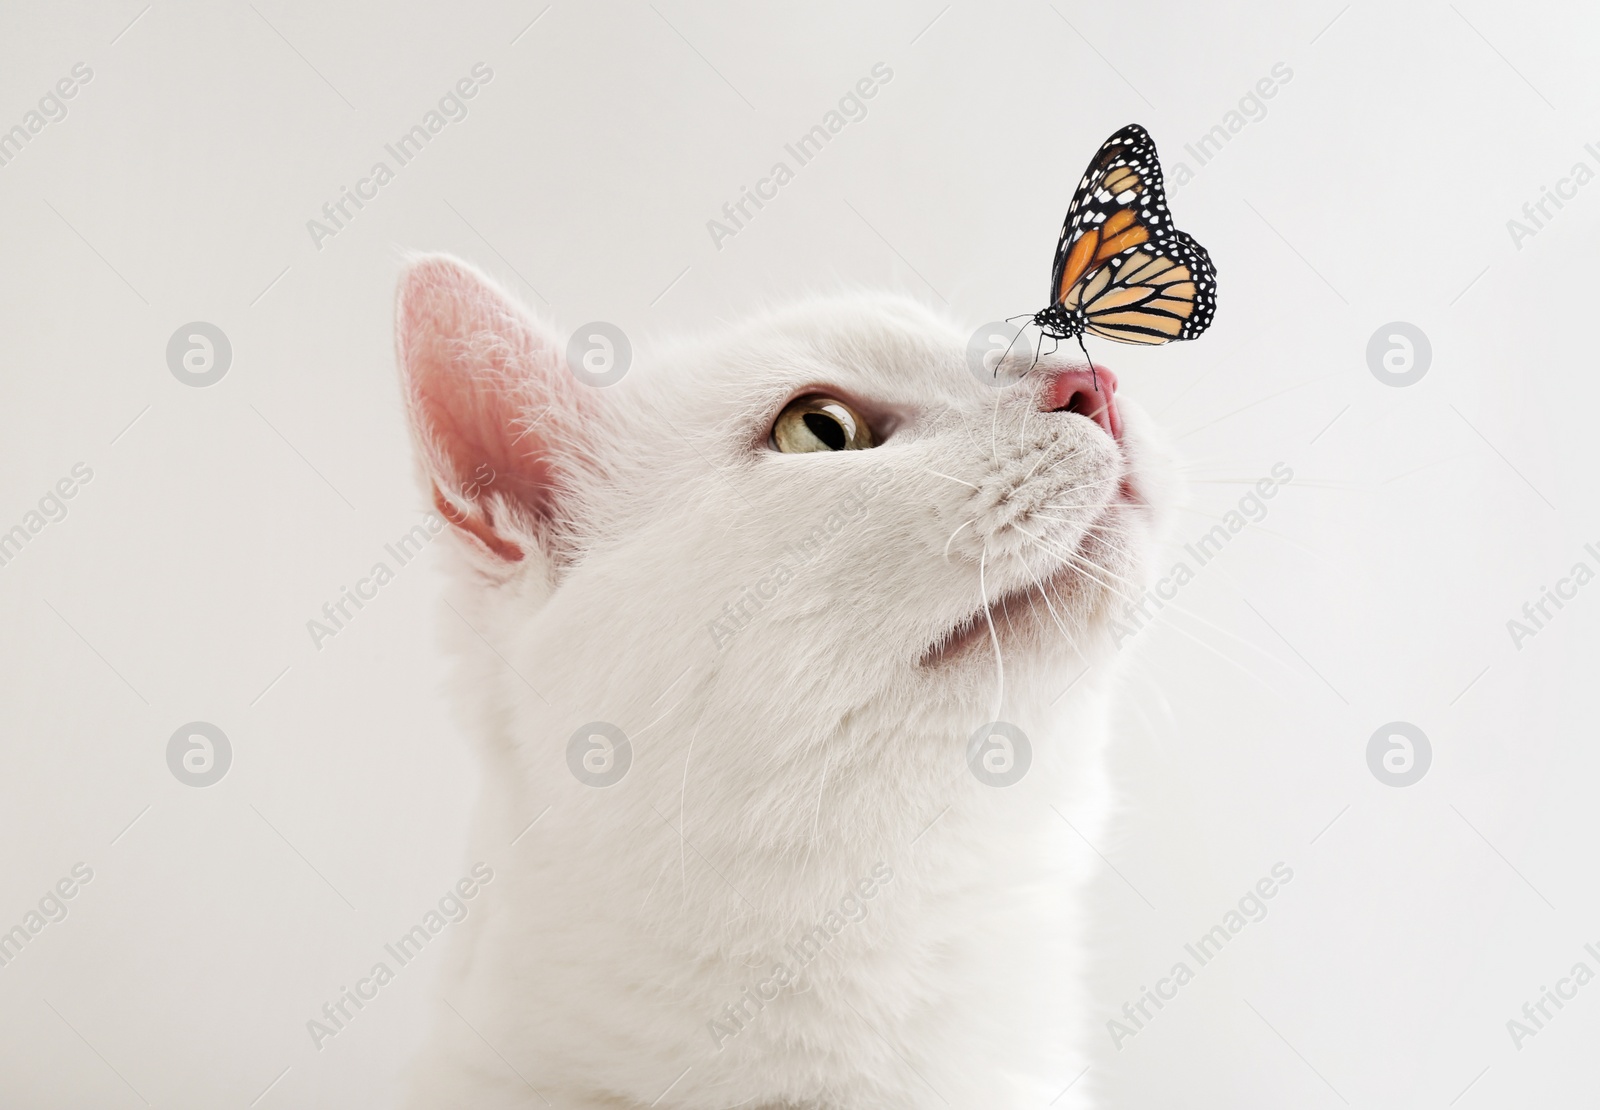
(1093,377)
(1055,343)
(1037,347)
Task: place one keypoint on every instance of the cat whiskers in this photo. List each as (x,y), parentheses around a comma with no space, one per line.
(665,863)
(1176,608)
(1061,519)
(952,539)
(1098,503)
(994,431)
(1045,594)
(959,481)
(1045,454)
(816,814)
(1078,562)
(1085,485)
(994,637)
(663,714)
(1214,650)
(1256,527)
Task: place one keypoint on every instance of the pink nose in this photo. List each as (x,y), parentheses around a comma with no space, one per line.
(1092,395)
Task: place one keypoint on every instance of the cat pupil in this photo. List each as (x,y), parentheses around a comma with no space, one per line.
(826,429)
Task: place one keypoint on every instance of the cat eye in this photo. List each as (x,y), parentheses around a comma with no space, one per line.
(818,423)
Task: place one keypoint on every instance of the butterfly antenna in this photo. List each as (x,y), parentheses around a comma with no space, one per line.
(1001,360)
(1093,377)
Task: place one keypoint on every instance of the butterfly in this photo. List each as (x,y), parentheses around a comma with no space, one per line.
(1122,270)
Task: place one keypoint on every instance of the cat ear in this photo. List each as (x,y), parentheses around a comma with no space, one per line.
(498,418)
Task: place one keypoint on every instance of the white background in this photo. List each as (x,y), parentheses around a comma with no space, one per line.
(219,520)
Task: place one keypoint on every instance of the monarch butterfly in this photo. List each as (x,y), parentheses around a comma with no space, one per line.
(1122,270)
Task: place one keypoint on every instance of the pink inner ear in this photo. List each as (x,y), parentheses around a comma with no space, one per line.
(482,529)
(489,392)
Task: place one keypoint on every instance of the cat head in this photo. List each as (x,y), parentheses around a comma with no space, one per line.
(819,517)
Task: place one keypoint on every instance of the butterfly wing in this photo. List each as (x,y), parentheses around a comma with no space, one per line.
(1123,175)
(1135,277)
(1162,291)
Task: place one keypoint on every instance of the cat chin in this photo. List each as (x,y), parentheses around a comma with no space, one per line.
(1010,622)
(1061,615)
(1026,631)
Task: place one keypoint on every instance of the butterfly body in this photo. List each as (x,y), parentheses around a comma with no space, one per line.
(1122,270)
(1058,322)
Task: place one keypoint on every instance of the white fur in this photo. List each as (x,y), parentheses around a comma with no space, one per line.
(813,745)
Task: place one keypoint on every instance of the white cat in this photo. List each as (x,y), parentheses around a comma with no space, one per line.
(799,893)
